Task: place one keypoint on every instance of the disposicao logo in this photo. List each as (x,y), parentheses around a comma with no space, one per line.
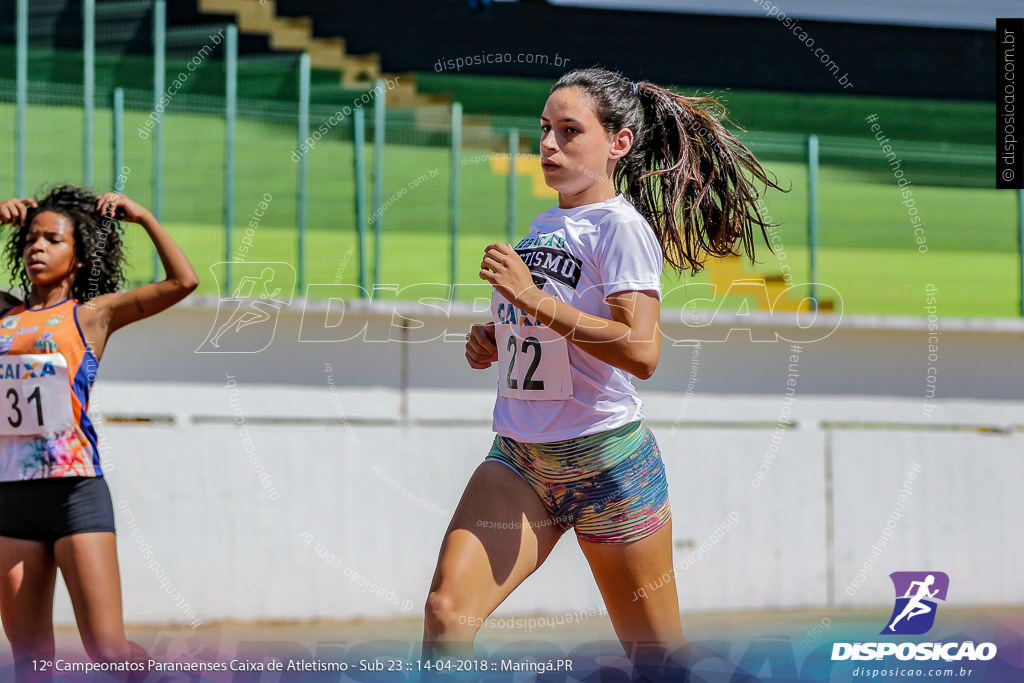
(914,614)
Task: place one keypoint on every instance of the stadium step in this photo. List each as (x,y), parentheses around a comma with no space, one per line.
(295,34)
(767,292)
(528,165)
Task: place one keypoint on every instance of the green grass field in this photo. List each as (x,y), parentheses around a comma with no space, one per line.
(867,244)
(868,280)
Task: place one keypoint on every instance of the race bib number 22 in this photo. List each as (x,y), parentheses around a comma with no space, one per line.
(533,363)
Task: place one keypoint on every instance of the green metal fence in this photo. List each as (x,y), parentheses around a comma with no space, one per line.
(264,159)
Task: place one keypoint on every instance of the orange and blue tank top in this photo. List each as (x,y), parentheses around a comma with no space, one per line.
(46,375)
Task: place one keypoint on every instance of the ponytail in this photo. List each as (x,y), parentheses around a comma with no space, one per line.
(688,176)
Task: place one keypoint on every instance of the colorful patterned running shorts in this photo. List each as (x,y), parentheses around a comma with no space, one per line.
(610,486)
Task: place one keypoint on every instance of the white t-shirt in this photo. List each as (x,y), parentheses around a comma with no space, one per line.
(548,388)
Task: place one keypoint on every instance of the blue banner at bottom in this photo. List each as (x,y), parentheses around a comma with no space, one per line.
(844,647)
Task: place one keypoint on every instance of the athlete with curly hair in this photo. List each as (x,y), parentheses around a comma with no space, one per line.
(66,254)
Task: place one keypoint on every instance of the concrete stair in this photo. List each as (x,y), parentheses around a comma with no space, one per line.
(766,292)
(295,34)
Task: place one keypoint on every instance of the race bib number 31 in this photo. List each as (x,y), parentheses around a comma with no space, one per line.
(35,396)
(533,363)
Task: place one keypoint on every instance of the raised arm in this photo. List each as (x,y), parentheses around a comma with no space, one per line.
(13,212)
(110,312)
(630,340)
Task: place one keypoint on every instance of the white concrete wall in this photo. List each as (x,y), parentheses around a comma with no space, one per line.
(371,469)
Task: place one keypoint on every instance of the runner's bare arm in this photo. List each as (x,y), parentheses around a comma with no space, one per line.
(13,212)
(630,340)
(110,312)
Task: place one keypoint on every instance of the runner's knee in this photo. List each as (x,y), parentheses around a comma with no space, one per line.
(441,615)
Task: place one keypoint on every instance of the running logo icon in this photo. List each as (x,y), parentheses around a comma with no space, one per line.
(246,320)
(916,593)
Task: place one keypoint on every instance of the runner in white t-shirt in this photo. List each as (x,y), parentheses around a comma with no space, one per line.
(643,176)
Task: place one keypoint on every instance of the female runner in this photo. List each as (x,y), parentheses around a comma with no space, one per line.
(66,254)
(576,309)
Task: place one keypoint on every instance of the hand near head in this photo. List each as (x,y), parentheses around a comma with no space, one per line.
(119,207)
(14,211)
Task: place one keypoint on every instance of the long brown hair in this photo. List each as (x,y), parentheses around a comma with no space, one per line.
(686,174)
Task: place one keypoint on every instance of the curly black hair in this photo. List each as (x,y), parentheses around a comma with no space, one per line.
(99,246)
